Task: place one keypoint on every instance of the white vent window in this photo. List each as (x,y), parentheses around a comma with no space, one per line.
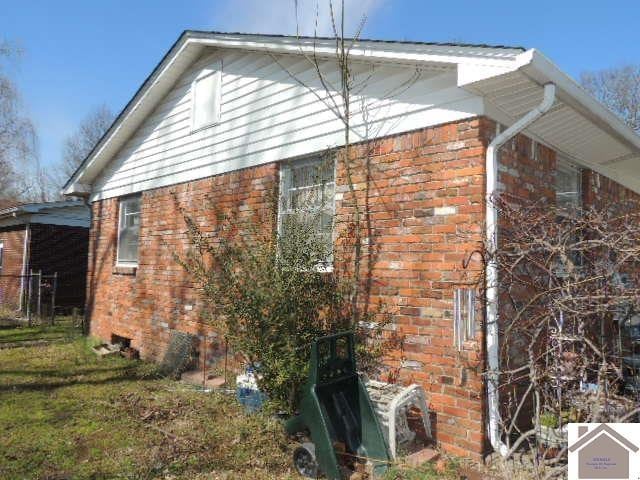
(464,316)
(206,96)
(129,231)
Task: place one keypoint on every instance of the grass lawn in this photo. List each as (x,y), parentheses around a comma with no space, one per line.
(66,414)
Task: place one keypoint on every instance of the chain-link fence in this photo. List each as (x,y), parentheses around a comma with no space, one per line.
(28,298)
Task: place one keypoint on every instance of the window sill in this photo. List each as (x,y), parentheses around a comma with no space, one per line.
(200,128)
(125,269)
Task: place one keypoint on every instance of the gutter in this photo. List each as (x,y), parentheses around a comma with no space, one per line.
(491,279)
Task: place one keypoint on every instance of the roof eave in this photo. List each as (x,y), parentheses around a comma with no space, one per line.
(538,70)
(419,54)
(169,56)
(11,212)
(30,208)
(543,70)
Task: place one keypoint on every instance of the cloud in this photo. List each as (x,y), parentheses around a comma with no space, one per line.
(279,16)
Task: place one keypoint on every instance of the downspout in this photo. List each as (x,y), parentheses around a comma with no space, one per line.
(492,336)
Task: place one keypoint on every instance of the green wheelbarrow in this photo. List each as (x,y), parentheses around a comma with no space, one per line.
(335,410)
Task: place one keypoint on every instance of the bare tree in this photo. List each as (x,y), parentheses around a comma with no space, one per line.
(619,89)
(569,303)
(18,138)
(340,85)
(79,144)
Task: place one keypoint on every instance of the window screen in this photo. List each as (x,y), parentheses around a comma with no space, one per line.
(307,191)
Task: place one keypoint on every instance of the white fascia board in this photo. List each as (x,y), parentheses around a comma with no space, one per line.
(77,189)
(469,73)
(384,52)
(94,163)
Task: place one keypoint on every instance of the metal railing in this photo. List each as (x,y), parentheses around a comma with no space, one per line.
(31,297)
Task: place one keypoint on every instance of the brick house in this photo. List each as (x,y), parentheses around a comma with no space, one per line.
(224,116)
(51,237)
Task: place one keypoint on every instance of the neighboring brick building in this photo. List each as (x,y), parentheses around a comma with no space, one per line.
(49,238)
(422,177)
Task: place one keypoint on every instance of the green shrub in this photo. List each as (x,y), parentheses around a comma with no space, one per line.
(272,294)
(549,419)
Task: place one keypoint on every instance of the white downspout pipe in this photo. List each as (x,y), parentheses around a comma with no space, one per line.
(492,336)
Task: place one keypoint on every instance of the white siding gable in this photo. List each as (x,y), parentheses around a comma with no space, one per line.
(265,115)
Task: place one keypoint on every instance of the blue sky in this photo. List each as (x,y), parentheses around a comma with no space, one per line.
(82,53)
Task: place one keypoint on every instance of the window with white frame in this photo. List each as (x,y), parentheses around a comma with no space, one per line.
(568,186)
(128,231)
(206,97)
(1,255)
(568,202)
(307,190)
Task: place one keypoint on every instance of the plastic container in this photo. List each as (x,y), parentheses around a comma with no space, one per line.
(248,393)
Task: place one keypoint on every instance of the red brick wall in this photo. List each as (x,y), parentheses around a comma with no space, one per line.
(425,193)
(425,208)
(599,191)
(13,239)
(523,177)
(146,304)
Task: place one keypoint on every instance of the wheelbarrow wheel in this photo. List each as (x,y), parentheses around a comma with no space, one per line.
(304,459)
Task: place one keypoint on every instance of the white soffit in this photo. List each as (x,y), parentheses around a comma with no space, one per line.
(576,126)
